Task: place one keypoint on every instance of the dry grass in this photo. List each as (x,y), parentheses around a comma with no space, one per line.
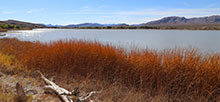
(10,96)
(6,97)
(169,75)
(8,60)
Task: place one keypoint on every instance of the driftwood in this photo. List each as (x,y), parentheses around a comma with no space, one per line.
(21,96)
(65,95)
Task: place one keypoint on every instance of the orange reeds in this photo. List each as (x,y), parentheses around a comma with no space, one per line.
(175,72)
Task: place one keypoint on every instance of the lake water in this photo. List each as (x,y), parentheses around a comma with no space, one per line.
(206,41)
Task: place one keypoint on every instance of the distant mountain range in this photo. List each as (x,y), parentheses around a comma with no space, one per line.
(167,21)
(50,25)
(85,25)
(95,25)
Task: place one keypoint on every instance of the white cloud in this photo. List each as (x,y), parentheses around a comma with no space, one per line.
(149,12)
(172,12)
(34,10)
(9,12)
(30,11)
(139,16)
(87,10)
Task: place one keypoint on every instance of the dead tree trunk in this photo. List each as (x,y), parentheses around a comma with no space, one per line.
(65,95)
(21,96)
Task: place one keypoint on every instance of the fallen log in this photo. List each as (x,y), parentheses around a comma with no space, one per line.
(20,96)
(65,95)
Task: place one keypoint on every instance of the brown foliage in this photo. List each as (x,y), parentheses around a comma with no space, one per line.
(178,73)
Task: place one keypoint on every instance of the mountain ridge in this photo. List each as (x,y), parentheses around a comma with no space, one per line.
(166,21)
(178,21)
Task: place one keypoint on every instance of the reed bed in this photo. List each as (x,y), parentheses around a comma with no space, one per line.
(179,74)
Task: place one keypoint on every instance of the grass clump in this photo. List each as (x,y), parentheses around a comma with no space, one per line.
(7,60)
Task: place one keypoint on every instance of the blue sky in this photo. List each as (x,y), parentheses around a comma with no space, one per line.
(104,11)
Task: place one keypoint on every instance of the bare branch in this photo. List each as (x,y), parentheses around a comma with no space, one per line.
(88,95)
(65,94)
(55,88)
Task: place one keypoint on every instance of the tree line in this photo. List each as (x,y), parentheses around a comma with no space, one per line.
(5,27)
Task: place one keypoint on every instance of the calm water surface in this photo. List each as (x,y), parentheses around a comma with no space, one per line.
(206,41)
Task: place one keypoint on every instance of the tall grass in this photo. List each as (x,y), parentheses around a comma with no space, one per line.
(180,74)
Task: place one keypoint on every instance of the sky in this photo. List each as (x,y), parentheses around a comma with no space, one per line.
(104,11)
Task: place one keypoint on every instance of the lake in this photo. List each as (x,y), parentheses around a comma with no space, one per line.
(206,41)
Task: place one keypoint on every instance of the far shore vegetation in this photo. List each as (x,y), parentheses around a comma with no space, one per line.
(6,27)
(147,27)
(170,75)
(180,27)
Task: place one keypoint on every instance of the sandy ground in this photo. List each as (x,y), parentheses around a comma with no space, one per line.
(33,87)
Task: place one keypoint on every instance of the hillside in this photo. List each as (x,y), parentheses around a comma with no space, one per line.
(21,23)
(179,21)
(18,25)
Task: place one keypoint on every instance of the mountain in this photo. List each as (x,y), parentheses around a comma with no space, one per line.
(178,21)
(51,25)
(24,24)
(115,25)
(85,25)
(167,21)
(121,25)
(96,25)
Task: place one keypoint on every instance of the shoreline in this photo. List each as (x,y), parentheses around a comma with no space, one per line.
(134,29)
(97,28)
